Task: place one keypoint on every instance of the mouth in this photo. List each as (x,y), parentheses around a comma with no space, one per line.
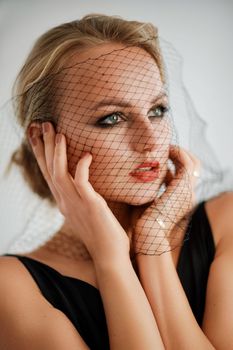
(146,172)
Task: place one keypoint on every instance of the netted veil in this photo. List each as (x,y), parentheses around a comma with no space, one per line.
(34,219)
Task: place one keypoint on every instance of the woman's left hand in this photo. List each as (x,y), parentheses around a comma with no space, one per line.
(160,227)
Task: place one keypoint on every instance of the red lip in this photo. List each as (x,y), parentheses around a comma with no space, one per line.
(147,175)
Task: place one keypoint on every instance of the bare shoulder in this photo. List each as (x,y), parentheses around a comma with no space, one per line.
(219,303)
(12,270)
(27,319)
(220,214)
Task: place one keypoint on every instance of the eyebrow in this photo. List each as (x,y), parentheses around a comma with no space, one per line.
(121,103)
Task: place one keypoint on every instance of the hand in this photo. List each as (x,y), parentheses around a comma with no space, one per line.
(161,226)
(85,211)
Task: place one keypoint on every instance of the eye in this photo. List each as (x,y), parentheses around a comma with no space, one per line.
(110,120)
(159,111)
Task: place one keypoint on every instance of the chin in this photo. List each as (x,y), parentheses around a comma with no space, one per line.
(133,194)
(132,199)
(140,201)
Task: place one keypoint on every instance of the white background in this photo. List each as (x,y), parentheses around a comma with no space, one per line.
(200,30)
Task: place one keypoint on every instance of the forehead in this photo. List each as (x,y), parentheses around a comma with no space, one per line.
(112,70)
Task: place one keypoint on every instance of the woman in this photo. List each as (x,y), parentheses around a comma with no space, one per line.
(93,102)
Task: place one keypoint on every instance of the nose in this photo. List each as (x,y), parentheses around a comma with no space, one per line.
(144,136)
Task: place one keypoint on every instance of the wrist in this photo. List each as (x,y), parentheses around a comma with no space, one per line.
(113,263)
(154,260)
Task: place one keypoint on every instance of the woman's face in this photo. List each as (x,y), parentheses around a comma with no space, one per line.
(111,102)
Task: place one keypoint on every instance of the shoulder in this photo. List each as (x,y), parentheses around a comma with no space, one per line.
(219,210)
(12,271)
(18,291)
(27,319)
(220,284)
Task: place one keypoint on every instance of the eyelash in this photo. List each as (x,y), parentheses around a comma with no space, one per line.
(164,110)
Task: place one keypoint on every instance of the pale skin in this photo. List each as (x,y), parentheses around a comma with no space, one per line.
(143,296)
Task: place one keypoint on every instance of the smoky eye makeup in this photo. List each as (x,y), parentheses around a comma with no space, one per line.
(110,120)
(159,110)
(115,118)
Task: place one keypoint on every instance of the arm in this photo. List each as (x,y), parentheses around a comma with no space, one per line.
(27,319)
(218,317)
(130,321)
(163,288)
(176,322)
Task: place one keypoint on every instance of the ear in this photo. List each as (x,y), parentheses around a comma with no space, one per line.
(34,130)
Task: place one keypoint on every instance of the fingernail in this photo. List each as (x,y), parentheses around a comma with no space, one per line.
(33,141)
(86,154)
(45,127)
(58,138)
(34,132)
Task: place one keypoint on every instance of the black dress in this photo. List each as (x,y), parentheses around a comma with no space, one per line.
(82,304)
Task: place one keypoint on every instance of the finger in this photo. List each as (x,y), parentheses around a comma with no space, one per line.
(193,157)
(62,179)
(182,183)
(190,180)
(81,178)
(184,157)
(38,150)
(186,163)
(195,170)
(49,145)
(177,200)
(181,159)
(196,163)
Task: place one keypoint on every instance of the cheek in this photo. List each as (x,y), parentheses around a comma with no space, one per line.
(165,138)
(78,140)
(108,153)
(107,150)
(164,130)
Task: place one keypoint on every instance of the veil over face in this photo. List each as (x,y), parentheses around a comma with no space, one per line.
(112,102)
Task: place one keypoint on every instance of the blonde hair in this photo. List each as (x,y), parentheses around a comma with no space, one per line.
(49,55)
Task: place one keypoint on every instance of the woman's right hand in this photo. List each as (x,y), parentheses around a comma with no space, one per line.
(86,212)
